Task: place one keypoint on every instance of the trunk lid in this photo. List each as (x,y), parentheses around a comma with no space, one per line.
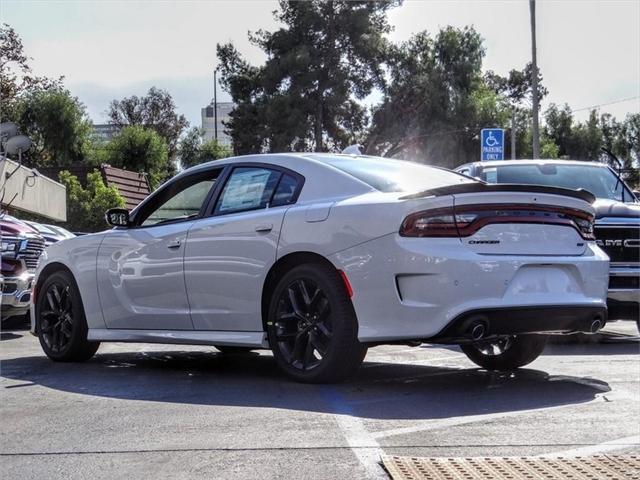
(522,222)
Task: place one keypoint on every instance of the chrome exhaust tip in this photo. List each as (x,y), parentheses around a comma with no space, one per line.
(478,331)
(596,325)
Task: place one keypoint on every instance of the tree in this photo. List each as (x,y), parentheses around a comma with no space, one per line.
(435,102)
(155,111)
(86,206)
(16,76)
(193,150)
(327,56)
(139,149)
(56,122)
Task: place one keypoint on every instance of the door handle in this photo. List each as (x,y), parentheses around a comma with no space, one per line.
(266,227)
(174,244)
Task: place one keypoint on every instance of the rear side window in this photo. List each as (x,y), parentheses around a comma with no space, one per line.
(248,188)
(286,191)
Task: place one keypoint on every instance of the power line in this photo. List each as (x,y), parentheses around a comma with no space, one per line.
(605,104)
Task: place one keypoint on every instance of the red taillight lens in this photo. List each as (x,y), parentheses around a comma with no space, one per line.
(430,223)
(466,220)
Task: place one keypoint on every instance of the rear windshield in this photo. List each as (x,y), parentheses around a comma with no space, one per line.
(602,182)
(389,175)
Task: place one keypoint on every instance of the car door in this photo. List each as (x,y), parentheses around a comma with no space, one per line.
(140,271)
(228,254)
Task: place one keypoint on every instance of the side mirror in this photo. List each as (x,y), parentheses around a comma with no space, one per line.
(117,217)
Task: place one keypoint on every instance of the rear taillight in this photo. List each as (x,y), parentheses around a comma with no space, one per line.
(432,223)
(466,220)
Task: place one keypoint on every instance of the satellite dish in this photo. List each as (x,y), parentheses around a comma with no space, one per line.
(17,145)
(8,130)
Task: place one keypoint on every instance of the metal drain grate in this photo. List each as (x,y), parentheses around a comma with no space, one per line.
(599,467)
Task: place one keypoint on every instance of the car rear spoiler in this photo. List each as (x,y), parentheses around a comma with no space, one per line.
(479,187)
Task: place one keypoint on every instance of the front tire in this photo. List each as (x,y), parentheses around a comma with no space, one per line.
(505,353)
(312,327)
(60,321)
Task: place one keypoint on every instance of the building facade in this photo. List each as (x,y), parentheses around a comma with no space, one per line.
(105,131)
(209,122)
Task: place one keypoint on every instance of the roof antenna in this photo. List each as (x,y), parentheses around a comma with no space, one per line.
(353,150)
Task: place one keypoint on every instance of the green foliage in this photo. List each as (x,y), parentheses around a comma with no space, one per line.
(193,150)
(138,149)
(325,57)
(57,123)
(436,101)
(155,111)
(86,206)
(16,76)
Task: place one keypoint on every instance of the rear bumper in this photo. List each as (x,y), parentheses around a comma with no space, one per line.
(16,294)
(492,322)
(411,289)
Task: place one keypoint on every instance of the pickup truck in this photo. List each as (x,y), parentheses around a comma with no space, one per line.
(21,247)
(617,225)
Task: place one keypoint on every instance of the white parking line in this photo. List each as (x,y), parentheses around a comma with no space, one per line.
(610,446)
(362,443)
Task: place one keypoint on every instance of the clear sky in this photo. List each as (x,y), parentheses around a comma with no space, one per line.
(588,51)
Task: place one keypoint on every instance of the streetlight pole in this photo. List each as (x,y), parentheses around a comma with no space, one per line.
(534,81)
(215,104)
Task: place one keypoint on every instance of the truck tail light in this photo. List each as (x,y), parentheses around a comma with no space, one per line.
(466,220)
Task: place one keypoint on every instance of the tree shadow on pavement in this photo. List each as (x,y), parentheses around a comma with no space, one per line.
(379,391)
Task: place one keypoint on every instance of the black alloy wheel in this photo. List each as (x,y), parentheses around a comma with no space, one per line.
(56,317)
(505,353)
(60,321)
(303,325)
(312,327)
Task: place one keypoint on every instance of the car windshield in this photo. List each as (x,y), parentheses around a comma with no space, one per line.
(390,175)
(602,182)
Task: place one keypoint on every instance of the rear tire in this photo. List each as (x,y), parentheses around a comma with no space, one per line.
(312,327)
(60,320)
(505,353)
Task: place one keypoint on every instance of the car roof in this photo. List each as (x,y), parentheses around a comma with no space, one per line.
(499,163)
(276,158)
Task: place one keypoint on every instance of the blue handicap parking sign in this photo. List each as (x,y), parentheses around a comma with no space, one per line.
(492,144)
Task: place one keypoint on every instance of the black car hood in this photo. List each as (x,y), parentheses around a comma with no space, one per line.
(612,208)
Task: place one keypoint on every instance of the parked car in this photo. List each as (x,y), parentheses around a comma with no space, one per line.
(617,224)
(50,233)
(63,232)
(21,248)
(319,256)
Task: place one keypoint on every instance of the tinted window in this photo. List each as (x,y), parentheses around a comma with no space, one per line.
(248,188)
(600,181)
(389,175)
(285,193)
(178,200)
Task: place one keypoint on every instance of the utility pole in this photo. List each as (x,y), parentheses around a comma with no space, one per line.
(534,81)
(215,104)
(513,133)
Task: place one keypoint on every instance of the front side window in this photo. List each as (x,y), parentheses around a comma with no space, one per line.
(248,188)
(179,200)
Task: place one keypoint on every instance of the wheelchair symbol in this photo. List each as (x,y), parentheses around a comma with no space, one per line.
(491,141)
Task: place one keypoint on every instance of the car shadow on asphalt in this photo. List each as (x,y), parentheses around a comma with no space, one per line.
(379,391)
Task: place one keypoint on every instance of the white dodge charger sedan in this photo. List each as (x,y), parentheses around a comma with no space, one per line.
(319,256)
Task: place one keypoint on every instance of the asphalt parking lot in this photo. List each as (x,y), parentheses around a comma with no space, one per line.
(154,411)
